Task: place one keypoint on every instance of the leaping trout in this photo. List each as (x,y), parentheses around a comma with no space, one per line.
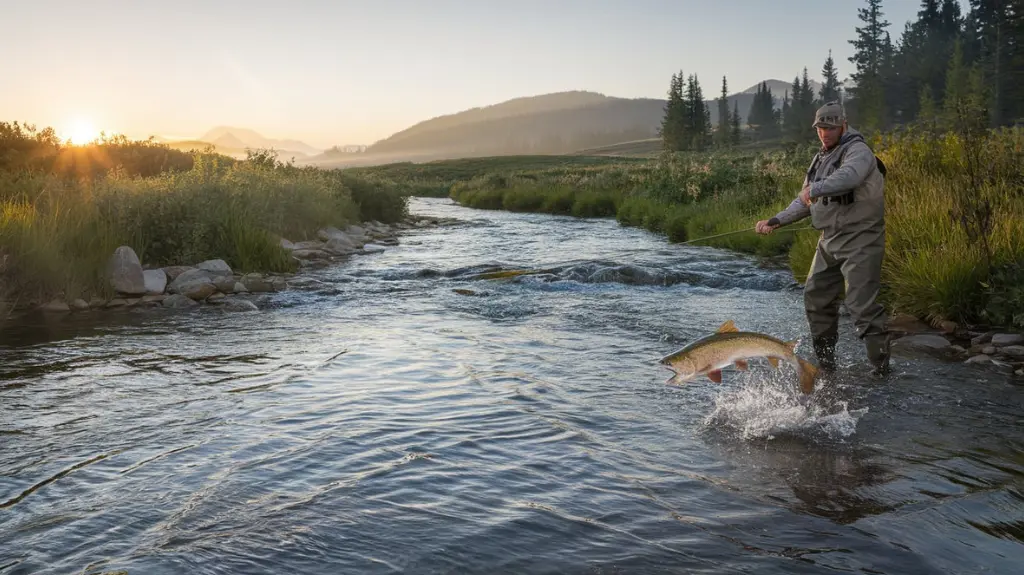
(730,346)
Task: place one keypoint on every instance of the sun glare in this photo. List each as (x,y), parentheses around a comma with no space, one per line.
(82,131)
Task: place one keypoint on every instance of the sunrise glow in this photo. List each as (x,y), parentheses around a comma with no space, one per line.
(81,131)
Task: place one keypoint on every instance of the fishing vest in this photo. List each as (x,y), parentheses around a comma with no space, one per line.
(859,209)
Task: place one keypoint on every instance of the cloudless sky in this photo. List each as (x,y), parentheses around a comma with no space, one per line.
(352,72)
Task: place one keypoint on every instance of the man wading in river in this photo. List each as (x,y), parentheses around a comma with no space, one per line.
(843,193)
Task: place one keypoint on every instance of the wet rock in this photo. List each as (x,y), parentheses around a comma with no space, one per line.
(947,327)
(923,342)
(1004,339)
(174,271)
(189,277)
(240,288)
(978,360)
(197,290)
(309,245)
(154,298)
(239,305)
(225,284)
(255,283)
(310,254)
(97,302)
(907,324)
(1019,372)
(957,349)
(216,298)
(79,305)
(129,302)
(55,306)
(179,301)
(215,267)
(1014,351)
(285,244)
(117,302)
(125,272)
(155,280)
(340,246)
(982,338)
(989,350)
(372,248)
(279,284)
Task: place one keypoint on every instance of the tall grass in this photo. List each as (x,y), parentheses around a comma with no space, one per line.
(58,230)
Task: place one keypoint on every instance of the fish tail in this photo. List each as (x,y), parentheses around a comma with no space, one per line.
(807,375)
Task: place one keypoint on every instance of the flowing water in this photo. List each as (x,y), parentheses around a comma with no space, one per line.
(378,421)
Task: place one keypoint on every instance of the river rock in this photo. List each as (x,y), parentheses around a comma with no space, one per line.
(197,290)
(79,304)
(310,254)
(125,272)
(174,271)
(908,324)
(239,305)
(179,301)
(1004,339)
(225,284)
(55,306)
(153,298)
(215,267)
(309,245)
(191,276)
(97,301)
(1015,351)
(117,302)
(923,342)
(156,281)
(978,360)
(239,288)
(285,244)
(216,298)
(340,246)
(279,284)
(988,350)
(982,338)
(372,249)
(255,283)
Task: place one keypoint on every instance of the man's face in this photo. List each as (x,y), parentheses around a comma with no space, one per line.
(829,135)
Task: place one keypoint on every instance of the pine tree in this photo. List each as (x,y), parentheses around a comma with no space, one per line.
(867,59)
(698,119)
(722,135)
(736,134)
(673,120)
(830,90)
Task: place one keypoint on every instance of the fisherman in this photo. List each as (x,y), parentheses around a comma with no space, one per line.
(843,192)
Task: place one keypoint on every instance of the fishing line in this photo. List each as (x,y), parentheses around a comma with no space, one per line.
(783,229)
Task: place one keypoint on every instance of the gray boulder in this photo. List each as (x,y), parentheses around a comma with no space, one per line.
(215,267)
(125,272)
(155,281)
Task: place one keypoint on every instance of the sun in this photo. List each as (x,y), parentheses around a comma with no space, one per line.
(82,132)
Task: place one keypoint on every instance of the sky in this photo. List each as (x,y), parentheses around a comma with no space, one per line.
(339,72)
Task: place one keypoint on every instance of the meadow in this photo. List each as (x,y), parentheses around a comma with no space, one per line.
(954,208)
(65,209)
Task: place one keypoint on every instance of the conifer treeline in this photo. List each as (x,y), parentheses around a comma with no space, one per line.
(944,64)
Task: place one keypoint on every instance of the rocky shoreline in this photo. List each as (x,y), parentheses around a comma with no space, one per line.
(999,350)
(213,282)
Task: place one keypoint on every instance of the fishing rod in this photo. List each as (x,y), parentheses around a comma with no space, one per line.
(784,229)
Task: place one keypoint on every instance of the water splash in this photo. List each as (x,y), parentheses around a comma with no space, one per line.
(767,405)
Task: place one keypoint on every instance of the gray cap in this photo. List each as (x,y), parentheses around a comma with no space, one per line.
(829,116)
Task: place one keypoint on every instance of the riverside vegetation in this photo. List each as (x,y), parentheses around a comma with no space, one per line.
(65,209)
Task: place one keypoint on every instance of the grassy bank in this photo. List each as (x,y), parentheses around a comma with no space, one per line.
(943,260)
(59,225)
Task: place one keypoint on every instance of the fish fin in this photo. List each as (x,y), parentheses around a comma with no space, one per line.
(676,379)
(792,344)
(742,365)
(774,361)
(715,376)
(727,327)
(807,375)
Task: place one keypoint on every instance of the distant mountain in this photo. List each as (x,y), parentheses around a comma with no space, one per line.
(559,123)
(246,138)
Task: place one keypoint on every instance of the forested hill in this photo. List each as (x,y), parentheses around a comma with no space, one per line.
(557,123)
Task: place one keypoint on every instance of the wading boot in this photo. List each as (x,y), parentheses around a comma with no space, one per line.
(878,354)
(825,350)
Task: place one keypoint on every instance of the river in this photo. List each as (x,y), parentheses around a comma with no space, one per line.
(378,421)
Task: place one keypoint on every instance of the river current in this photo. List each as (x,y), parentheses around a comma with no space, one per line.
(378,421)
